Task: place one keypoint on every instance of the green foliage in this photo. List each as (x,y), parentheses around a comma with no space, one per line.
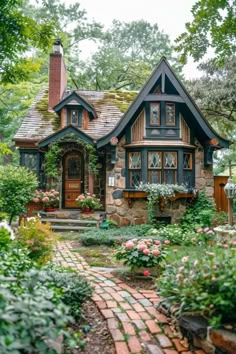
(138,253)
(213,25)
(155,192)
(126,54)
(19,33)
(5,239)
(52,159)
(112,236)
(16,189)
(199,212)
(37,238)
(206,286)
(75,288)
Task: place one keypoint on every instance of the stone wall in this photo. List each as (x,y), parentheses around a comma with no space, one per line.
(204,179)
(119,209)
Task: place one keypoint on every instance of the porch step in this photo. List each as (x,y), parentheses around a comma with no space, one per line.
(70,221)
(70,224)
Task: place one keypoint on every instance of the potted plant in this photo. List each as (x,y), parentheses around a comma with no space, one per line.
(87,202)
(50,199)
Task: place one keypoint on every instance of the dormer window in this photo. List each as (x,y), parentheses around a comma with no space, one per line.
(74,117)
(155,114)
(170,114)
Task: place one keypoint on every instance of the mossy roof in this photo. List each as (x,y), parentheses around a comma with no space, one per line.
(108,105)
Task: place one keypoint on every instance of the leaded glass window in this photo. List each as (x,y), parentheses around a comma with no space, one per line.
(170,176)
(134,160)
(187,160)
(73,168)
(154,159)
(30,161)
(154,114)
(154,176)
(170,114)
(135,168)
(170,160)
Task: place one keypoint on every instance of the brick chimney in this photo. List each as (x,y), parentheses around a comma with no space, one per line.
(57,75)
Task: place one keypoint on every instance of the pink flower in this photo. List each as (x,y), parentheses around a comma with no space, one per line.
(184,259)
(225,245)
(166,242)
(157,242)
(156,252)
(141,247)
(36,200)
(175,250)
(146,273)
(146,251)
(45,199)
(178,276)
(129,244)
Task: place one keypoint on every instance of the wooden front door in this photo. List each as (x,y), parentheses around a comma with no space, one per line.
(73,178)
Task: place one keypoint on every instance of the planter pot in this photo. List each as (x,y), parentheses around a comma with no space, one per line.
(49,209)
(86,210)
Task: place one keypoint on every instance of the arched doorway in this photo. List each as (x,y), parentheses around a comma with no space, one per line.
(73,178)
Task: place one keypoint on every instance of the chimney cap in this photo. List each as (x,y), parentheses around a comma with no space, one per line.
(57,46)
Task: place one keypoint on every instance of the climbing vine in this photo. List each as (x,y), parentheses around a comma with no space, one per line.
(155,192)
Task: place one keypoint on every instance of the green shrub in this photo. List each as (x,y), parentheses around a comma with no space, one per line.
(6,235)
(75,289)
(110,237)
(37,238)
(206,286)
(16,189)
(141,253)
(28,320)
(198,213)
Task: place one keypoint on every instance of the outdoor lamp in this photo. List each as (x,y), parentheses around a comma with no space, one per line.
(230,189)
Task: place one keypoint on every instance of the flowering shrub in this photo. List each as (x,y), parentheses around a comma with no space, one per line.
(48,198)
(87,200)
(142,252)
(206,286)
(38,238)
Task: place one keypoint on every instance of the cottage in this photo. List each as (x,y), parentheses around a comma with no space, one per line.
(157,135)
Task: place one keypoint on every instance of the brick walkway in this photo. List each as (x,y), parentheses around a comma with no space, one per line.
(134,323)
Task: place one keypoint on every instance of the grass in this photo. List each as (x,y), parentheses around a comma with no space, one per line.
(98,256)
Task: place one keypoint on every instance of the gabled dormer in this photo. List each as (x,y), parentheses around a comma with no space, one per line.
(75,110)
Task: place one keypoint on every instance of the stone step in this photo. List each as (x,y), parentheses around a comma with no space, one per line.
(70,227)
(70,221)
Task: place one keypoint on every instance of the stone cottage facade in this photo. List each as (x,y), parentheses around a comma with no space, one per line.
(157,135)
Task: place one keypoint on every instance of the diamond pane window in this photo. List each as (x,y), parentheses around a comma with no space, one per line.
(154,176)
(154,159)
(170,114)
(187,161)
(154,114)
(170,176)
(135,178)
(73,168)
(170,160)
(30,161)
(134,160)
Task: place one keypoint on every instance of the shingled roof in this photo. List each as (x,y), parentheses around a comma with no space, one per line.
(108,105)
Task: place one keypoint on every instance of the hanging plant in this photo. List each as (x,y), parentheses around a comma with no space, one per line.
(155,192)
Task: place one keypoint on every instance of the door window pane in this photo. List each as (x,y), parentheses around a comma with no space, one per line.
(73,168)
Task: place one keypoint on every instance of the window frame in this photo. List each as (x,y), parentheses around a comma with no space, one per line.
(191,161)
(166,123)
(159,114)
(132,169)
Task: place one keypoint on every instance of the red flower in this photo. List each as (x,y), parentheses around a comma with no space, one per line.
(146,273)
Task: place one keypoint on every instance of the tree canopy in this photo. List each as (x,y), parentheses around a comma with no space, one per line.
(213,26)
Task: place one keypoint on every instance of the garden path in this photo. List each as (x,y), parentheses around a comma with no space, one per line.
(132,319)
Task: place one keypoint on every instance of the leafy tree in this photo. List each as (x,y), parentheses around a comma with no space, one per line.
(213,25)
(127,54)
(18,34)
(17,185)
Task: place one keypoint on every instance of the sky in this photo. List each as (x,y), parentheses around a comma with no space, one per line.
(170,15)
